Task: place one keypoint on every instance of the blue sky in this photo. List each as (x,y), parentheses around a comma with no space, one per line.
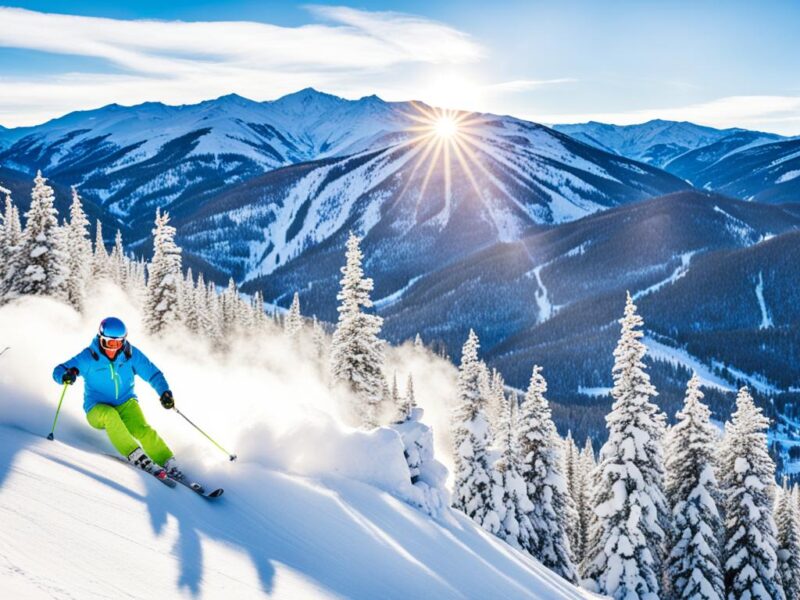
(722,64)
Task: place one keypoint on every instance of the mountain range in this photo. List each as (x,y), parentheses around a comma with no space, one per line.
(529,234)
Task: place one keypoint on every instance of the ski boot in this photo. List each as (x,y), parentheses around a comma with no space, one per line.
(141,461)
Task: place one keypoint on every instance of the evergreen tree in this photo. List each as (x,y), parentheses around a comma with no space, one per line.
(79,253)
(216,321)
(164,278)
(572,474)
(418,342)
(474,479)
(541,466)
(496,396)
(409,401)
(259,316)
(787,519)
(9,244)
(514,504)
(229,303)
(747,471)
(395,402)
(319,338)
(356,350)
(101,263)
(693,567)
(582,498)
(41,258)
(189,303)
(118,261)
(294,320)
(625,550)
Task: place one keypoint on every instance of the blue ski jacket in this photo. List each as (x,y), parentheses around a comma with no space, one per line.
(109,381)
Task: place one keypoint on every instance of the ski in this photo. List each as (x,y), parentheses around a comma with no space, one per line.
(199,489)
(165,480)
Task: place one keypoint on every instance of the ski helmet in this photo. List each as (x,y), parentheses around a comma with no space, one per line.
(112,333)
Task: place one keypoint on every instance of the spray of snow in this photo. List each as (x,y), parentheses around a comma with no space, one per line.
(313,508)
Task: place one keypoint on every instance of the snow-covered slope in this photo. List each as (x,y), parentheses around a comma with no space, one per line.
(313,509)
(429,201)
(655,142)
(751,166)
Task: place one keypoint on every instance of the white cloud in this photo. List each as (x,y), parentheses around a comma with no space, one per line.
(524,85)
(773,113)
(176,61)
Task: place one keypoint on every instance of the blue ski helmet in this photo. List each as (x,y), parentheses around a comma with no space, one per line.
(112,333)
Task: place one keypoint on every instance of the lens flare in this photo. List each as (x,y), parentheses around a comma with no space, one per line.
(445,127)
(446,142)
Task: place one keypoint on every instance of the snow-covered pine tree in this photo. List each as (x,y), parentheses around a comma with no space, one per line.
(541,466)
(41,257)
(409,401)
(9,244)
(294,320)
(787,519)
(79,253)
(624,558)
(474,477)
(356,349)
(395,401)
(747,481)
(101,263)
(572,474)
(319,338)
(496,400)
(418,342)
(693,568)
(118,260)
(137,279)
(164,278)
(216,322)
(581,497)
(259,316)
(188,303)
(229,305)
(205,322)
(514,506)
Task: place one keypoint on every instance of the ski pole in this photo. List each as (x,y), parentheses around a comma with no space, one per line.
(210,439)
(58,410)
(4,350)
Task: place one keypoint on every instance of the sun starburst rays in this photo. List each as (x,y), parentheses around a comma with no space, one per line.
(438,136)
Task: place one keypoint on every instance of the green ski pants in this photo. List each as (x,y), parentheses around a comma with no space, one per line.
(125,424)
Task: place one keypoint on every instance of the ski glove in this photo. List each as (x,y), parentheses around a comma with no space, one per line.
(167,401)
(70,376)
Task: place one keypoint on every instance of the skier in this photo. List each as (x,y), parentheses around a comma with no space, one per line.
(108,367)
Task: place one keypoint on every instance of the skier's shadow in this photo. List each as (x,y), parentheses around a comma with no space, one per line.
(196,515)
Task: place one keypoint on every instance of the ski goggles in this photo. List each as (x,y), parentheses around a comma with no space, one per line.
(111,343)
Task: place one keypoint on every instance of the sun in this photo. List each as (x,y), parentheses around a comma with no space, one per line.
(445,127)
(445,141)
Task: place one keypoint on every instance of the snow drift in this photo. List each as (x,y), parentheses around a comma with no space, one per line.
(313,507)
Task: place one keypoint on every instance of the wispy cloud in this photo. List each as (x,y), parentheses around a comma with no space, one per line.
(525,85)
(177,61)
(772,113)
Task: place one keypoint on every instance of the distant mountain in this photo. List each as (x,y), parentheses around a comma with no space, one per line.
(746,165)
(132,159)
(418,207)
(655,142)
(751,165)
